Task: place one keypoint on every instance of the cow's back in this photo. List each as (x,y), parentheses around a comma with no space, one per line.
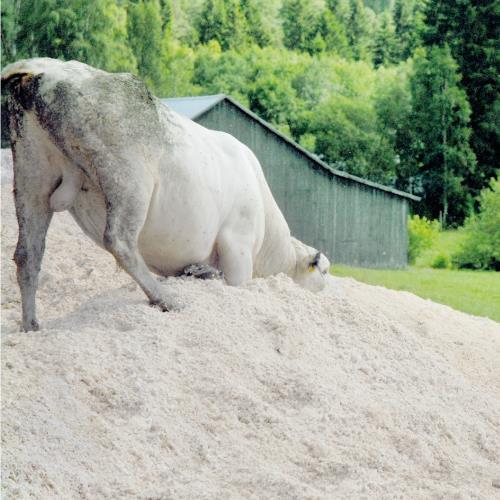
(85,109)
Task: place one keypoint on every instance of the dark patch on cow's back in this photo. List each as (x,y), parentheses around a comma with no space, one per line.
(115,108)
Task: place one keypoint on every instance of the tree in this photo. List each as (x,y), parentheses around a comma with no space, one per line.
(10,28)
(91,31)
(379,6)
(440,131)
(392,103)
(225,22)
(257,30)
(481,246)
(228,72)
(212,21)
(115,53)
(358,30)
(148,37)
(177,79)
(385,44)
(407,17)
(273,99)
(333,33)
(341,9)
(300,26)
(471,29)
(346,136)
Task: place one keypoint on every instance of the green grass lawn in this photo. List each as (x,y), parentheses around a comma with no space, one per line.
(474,292)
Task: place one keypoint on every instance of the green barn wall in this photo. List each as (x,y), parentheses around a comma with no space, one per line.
(352,223)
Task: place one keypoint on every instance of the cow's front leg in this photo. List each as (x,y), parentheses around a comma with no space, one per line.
(235,256)
(126,212)
(120,239)
(33,216)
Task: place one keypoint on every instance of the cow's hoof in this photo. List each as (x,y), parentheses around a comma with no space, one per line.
(31,326)
(203,271)
(160,304)
(172,304)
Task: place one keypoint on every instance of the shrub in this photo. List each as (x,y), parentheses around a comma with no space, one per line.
(481,247)
(441,261)
(422,233)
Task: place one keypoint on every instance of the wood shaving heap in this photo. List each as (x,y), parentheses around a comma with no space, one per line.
(265,391)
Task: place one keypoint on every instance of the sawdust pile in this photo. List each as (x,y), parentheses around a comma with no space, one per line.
(262,391)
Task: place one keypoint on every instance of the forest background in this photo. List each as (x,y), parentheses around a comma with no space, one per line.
(401,92)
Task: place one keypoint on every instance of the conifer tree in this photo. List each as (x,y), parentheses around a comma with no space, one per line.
(146,38)
(407,17)
(471,29)
(333,33)
(440,130)
(254,20)
(300,25)
(385,44)
(358,29)
(212,21)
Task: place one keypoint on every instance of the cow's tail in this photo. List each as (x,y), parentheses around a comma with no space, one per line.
(21,80)
(21,86)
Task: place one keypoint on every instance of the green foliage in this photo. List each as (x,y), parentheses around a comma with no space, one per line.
(232,23)
(359,29)
(222,72)
(440,155)
(392,102)
(333,33)
(147,33)
(300,26)
(115,54)
(322,71)
(88,30)
(422,233)
(447,244)
(347,137)
(378,6)
(385,49)
(408,22)
(178,72)
(257,30)
(10,27)
(272,99)
(481,247)
(441,261)
(470,29)
(212,22)
(328,102)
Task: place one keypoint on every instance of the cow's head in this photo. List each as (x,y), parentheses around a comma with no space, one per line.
(311,268)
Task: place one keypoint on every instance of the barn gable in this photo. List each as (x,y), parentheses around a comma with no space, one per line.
(352,220)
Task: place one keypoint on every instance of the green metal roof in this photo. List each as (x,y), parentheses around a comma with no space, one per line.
(195,106)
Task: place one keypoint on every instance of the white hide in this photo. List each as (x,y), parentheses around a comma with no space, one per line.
(203,193)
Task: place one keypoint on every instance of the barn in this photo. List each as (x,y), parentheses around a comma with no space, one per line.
(352,220)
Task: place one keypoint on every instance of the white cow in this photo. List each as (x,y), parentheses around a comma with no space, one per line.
(155,189)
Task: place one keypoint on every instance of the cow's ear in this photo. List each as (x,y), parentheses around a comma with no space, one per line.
(313,264)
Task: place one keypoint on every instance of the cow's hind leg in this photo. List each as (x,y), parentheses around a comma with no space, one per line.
(127,204)
(31,196)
